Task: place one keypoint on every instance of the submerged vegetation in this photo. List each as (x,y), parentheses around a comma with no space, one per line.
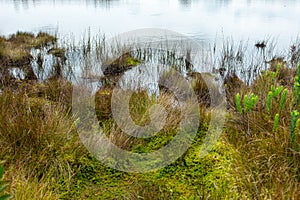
(258,156)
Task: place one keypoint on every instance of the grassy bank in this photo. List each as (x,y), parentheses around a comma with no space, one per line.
(258,156)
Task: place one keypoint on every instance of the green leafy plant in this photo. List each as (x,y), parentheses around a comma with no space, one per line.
(277,69)
(238,103)
(276,121)
(276,91)
(295,113)
(283,98)
(269,101)
(3,186)
(248,102)
(296,89)
(293,125)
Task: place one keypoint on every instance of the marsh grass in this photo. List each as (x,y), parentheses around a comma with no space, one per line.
(266,166)
(34,134)
(46,160)
(139,105)
(23,187)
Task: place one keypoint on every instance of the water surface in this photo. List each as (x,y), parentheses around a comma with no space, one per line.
(255,20)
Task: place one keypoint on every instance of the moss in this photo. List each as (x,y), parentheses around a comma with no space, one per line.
(130,61)
(120,65)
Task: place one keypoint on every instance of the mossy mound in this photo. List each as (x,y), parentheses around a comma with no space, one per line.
(120,65)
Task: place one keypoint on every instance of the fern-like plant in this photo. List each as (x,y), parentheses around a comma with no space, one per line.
(296,89)
(293,125)
(269,101)
(238,103)
(276,121)
(295,113)
(249,102)
(283,98)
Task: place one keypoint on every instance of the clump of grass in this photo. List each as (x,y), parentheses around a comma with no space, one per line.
(139,105)
(33,131)
(29,40)
(200,88)
(24,187)
(53,90)
(57,52)
(120,65)
(16,52)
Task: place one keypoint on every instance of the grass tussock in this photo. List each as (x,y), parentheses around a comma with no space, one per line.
(24,187)
(140,104)
(32,131)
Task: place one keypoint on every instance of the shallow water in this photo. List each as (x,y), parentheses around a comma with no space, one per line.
(202,20)
(206,22)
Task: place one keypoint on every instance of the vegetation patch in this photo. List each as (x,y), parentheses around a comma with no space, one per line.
(256,158)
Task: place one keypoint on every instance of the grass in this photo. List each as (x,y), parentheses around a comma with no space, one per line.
(45,158)
(267,166)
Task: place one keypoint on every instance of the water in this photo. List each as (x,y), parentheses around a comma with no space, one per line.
(202,20)
(207,22)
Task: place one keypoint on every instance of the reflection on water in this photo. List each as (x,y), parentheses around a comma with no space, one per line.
(26,4)
(199,19)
